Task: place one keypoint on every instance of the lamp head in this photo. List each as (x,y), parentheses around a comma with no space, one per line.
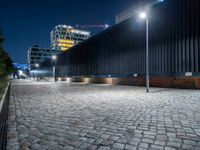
(54,57)
(143,15)
(106,26)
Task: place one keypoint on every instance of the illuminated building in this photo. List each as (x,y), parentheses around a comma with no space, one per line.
(37,55)
(64,37)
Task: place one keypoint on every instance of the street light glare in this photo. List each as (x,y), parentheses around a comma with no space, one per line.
(54,57)
(37,65)
(143,15)
(106,25)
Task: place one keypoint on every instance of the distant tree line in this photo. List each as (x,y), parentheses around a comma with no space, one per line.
(6,66)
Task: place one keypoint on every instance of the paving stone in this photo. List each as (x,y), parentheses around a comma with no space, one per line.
(157,147)
(90,140)
(114,138)
(147,140)
(161,143)
(149,136)
(173,135)
(105,136)
(24,146)
(68,147)
(123,141)
(169,148)
(149,133)
(118,145)
(175,140)
(98,141)
(130,147)
(144,145)
(84,145)
(104,148)
(107,142)
(189,142)
(161,137)
(172,144)
(186,147)
(92,147)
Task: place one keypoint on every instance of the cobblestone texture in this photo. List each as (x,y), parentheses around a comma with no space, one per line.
(80,116)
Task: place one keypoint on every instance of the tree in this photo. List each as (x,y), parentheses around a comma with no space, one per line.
(6,66)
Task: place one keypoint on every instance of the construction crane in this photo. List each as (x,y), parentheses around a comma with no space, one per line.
(104,26)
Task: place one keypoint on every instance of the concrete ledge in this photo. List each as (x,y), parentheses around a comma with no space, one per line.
(139,81)
(93,80)
(198,83)
(101,80)
(165,82)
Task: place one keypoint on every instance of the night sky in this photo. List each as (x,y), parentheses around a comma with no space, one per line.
(28,22)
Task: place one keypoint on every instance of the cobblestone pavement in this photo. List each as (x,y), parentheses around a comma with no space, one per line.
(81,116)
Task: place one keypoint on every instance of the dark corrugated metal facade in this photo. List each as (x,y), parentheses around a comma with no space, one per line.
(174,41)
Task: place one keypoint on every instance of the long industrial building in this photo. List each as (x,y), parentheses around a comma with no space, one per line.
(118,53)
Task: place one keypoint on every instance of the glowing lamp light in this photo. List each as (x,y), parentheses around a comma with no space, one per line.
(143,15)
(106,25)
(54,57)
(36,65)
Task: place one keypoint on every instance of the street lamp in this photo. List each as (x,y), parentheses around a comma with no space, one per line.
(37,66)
(143,15)
(54,58)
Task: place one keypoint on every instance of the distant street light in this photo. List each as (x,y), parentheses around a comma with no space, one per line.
(143,15)
(54,58)
(37,66)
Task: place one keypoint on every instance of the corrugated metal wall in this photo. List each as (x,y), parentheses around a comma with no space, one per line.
(120,51)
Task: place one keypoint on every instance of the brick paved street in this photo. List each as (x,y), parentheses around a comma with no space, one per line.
(79,116)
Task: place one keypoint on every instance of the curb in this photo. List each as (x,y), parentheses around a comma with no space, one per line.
(12,139)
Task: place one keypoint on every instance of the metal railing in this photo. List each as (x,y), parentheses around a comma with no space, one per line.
(4,108)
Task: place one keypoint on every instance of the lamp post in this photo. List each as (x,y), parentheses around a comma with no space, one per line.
(33,74)
(143,15)
(54,58)
(37,66)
